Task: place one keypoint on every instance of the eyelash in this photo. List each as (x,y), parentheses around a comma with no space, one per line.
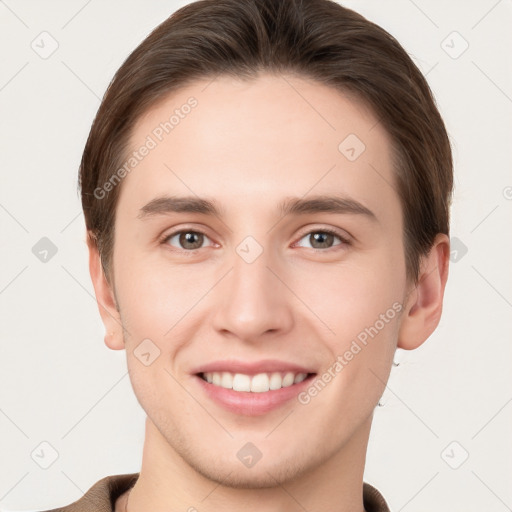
(344,240)
(330,231)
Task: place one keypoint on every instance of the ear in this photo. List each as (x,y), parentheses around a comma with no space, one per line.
(105,298)
(424,303)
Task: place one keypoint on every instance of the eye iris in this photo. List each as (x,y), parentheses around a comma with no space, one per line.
(322,239)
(325,239)
(188,237)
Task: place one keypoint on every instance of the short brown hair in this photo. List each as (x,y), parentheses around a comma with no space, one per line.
(316,39)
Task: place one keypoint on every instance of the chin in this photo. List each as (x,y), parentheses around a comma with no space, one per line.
(250,478)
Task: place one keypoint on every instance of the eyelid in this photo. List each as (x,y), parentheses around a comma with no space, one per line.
(167,235)
(345,238)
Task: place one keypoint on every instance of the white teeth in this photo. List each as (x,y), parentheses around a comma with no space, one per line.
(275,381)
(299,377)
(259,383)
(226,380)
(288,379)
(241,382)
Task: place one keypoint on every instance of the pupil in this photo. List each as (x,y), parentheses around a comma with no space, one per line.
(323,238)
(188,238)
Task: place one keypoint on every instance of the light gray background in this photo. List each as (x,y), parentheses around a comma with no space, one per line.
(61,385)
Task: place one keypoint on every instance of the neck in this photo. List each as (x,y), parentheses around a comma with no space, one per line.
(169,482)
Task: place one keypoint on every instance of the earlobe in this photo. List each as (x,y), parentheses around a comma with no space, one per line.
(424,304)
(105,299)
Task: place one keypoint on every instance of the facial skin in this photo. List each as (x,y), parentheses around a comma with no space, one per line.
(248,146)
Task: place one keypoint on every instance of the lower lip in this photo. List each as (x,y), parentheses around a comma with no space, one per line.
(249,403)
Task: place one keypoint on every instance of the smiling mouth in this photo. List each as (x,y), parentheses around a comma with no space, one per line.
(259,383)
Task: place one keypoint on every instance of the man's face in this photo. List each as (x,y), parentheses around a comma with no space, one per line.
(250,284)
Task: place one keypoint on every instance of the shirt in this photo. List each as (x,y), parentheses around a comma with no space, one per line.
(102,496)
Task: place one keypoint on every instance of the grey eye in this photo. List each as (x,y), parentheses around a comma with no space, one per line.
(321,239)
(188,240)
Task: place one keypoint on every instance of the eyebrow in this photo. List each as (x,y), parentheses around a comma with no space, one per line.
(290,206)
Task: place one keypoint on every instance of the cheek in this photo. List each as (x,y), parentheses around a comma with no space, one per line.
(350,297)
(154,296)
(157,308)
(359,309)
(365,320)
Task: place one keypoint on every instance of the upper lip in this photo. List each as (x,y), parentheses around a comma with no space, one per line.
(251,367)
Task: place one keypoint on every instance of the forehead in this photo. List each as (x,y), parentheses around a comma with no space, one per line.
(250,143)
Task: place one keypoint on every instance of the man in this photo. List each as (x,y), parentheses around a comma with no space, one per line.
(266,189)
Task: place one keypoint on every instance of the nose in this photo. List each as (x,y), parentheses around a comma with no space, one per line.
(253,300)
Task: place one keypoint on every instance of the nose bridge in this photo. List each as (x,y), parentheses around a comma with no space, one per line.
(251,260)
(251,281)
(254,300)
(251,274)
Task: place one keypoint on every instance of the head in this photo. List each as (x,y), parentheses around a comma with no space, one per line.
(244,106)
